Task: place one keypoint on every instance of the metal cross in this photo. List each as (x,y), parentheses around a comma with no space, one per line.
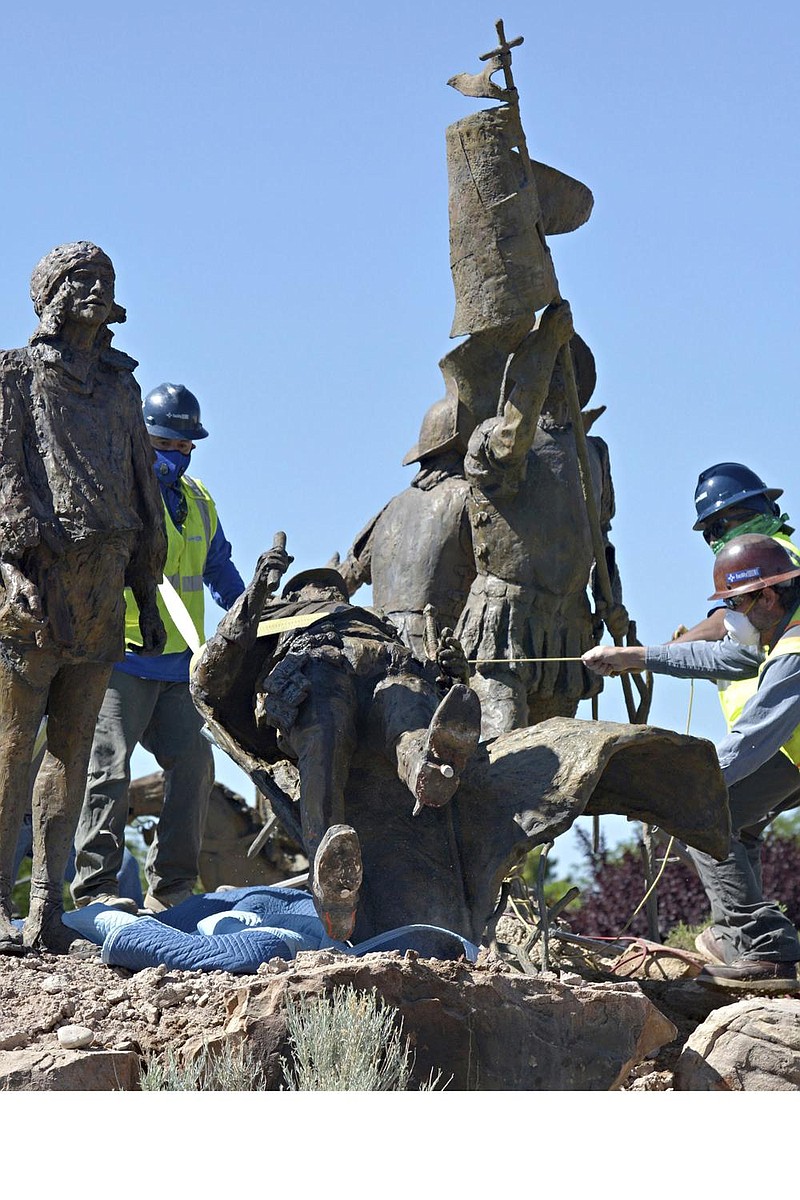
(503,52)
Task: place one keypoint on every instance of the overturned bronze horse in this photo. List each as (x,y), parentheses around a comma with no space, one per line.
(443,866)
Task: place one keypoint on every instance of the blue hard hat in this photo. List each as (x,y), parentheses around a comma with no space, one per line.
(727,484)
(172,411)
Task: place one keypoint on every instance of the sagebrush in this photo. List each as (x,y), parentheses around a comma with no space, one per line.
(347,1042)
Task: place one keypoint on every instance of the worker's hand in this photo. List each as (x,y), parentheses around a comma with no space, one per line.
(615,618)
(23,597)
(450,657)
(151,627)
(614,660)
(556,323)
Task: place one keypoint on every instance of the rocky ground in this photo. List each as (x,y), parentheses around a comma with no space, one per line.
(43,997)
(145,1012)
(593,1020)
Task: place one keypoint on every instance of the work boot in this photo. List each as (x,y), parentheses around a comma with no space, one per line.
(164,900)
(750,975)
(710,947)
(335,880)
(431,764)
(110,900)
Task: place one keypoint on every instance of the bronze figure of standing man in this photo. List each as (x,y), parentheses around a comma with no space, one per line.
(80,517)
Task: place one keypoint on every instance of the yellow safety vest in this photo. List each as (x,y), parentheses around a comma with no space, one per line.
(734,693)
(788,643)
(187,550)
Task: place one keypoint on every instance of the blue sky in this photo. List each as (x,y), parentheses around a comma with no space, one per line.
(269,179)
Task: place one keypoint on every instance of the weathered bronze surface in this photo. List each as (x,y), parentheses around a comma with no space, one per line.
(316,681)
(81,518)
(445,865)
(418,550)
(331,716)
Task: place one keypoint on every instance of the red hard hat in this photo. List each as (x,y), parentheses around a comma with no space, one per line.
(751,562)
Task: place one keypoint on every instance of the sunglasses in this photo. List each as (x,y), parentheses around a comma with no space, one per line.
(716,530)
(735,602)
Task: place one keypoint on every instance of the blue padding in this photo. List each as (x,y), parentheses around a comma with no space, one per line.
(287,924)
(148,943)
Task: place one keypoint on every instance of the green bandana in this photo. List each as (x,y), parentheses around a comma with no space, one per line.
(761,523)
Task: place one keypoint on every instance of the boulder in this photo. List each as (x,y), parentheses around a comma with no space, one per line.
(38,1069)
(485,1028)
(750,1046)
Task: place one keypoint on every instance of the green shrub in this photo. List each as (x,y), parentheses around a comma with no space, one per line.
(231,1068)
(347,1043)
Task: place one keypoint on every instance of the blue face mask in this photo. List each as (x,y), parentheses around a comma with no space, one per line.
(170,465)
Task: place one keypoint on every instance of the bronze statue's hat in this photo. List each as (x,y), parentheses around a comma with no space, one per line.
(439,431)
(324,576)
(585,369)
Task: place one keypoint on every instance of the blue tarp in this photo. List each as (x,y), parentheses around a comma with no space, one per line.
(239,929)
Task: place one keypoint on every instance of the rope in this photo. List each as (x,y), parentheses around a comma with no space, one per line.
(545,658)
(671,841)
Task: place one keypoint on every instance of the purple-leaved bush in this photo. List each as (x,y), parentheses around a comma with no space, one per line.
(616,885)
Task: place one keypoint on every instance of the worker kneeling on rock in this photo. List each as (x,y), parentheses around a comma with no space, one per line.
(751,945)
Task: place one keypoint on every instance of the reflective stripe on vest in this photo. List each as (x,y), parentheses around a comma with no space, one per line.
(187,551)
(734,693)
(789,643)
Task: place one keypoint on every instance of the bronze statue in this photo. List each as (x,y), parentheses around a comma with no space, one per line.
(418,550)
(528,618)
(541,497)
(81,518)
(312,682)
(445,865)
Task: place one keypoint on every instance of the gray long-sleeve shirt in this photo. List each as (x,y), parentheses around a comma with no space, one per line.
(770,716)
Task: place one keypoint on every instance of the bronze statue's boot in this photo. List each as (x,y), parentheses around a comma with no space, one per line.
(10,936)
(335,880)
(43,928)
(431,763)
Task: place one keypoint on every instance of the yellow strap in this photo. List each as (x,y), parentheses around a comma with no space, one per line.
(282,624)
(180,614)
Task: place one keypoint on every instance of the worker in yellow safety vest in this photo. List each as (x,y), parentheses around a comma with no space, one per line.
(751,944)
(731,500)
(148,700)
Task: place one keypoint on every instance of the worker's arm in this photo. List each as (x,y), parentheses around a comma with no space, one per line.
(220,575)
(692,660)
(710,629)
